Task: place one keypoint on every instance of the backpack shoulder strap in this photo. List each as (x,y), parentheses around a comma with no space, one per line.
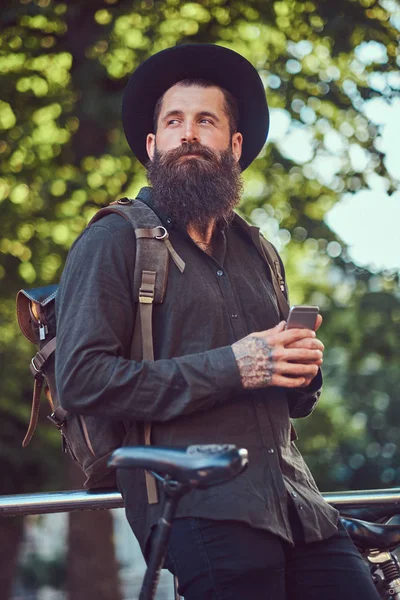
(153,250)
(278,281)
(153,247)
(270,256)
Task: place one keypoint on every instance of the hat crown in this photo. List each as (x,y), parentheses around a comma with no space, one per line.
(225,68)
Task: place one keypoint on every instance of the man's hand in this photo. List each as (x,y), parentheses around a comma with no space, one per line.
(282,357)
(298,344)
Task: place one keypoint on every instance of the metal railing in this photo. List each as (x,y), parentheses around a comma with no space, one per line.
(54,502)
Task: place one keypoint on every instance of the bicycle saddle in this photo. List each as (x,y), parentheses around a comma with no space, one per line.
(371,513)
(196,466)
(372,536)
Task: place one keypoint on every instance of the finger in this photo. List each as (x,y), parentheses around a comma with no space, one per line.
(318,323)
(270,332)
(307,382)
(318,362)
(310,343)
(278,328)
(298,355)
(288,336)
(287,382)
(296,369)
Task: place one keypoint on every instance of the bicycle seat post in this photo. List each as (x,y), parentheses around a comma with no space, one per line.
(173,493)
(197,467)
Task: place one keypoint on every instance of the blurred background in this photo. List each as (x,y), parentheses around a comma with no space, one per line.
(324,190)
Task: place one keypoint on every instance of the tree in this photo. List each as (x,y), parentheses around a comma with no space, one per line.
(64,67)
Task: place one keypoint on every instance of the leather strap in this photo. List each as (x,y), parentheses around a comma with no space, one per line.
(86,434)
(150,280)
(58,416)
(154,232)
(271,258)
(136,345)
(268,253)
(160,233)
(142,347)
(146,301)
(151,486)
(176,586)
(174,255)
(37,390)
(36,368)
(47,393)
(41,357)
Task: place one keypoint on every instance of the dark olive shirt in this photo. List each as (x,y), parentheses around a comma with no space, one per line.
(192,392)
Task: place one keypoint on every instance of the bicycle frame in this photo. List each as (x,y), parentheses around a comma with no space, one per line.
(385,572)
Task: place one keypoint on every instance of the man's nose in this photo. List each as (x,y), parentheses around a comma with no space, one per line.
(189,134)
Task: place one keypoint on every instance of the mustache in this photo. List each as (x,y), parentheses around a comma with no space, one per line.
(195,148)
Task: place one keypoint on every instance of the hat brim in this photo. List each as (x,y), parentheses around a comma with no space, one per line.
(222,66)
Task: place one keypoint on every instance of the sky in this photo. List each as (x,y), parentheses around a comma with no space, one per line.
(368,220)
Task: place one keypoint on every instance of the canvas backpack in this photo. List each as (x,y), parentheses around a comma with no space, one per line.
(91,440)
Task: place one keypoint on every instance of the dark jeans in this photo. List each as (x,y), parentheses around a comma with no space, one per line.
(229,560)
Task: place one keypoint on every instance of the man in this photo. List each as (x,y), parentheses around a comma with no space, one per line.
(225,368)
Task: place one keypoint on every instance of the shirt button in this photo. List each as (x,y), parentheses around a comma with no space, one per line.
(271,451)
(220,273)
(169,221)
(234,316)
(301,506)
(259,404)
(294,494)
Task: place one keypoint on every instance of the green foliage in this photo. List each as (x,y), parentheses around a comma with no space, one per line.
(64,66)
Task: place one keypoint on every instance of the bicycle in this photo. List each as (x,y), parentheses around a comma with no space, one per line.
(376,542)
(179,471)
(199,467)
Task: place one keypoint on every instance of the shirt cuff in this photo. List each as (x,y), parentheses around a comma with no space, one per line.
(302,401)
(314,386)
(225,369)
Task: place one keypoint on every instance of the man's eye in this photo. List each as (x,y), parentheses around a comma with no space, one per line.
(172,121)
(208,121)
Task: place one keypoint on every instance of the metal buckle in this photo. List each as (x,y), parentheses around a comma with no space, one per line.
(53,419)
(163,235)
(124,201)
(34,366)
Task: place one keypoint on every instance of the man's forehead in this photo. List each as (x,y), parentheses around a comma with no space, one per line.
(193,92)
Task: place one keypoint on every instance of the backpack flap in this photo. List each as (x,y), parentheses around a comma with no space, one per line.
(30,311)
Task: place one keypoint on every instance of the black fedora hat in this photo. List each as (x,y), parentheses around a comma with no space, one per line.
(224,67)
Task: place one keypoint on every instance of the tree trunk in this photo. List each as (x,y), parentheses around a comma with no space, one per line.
(92,569)
(11,529)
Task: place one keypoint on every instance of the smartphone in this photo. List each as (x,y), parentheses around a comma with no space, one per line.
(302,317)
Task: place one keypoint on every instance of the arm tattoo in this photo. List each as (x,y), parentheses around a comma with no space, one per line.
(254,360)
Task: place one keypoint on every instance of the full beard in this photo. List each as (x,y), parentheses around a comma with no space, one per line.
(195,191)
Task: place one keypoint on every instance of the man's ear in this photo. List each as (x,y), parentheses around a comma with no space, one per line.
(237,143)
(150,145)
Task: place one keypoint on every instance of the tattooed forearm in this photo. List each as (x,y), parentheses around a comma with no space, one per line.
(254,359)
